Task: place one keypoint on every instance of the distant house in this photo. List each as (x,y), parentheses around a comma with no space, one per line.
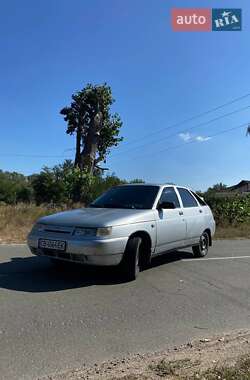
(242,187)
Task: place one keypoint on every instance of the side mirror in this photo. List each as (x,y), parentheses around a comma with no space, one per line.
(166,205)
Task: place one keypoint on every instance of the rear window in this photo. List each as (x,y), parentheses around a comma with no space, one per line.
(199,199)
(187,199)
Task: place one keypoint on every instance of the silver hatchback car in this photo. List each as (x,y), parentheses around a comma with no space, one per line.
(127,226)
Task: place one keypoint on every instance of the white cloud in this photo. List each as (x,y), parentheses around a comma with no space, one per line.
(185,136)
(202,138)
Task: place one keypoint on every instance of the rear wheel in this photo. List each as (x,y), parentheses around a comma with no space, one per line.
(131,261)
(201,250)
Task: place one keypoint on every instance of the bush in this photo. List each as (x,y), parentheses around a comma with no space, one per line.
(14,187)
(49,187)
(67,184)
(230,211)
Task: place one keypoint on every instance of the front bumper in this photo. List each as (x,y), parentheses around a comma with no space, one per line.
(91,252)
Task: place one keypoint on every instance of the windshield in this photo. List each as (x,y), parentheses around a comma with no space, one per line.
(131,197)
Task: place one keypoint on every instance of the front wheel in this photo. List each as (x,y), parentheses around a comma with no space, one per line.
(201,250)
(130,263)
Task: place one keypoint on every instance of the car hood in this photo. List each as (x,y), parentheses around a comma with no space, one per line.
(98,217)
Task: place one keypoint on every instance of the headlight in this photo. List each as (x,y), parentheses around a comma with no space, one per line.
(90,232)
(104,231)
(81,231)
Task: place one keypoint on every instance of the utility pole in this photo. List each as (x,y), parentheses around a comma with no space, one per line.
(248,130)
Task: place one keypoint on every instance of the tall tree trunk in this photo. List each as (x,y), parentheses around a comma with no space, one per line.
(78,148)
(88,154)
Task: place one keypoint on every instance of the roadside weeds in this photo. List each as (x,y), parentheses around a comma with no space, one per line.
(241,231)
(17,221)
(220,358)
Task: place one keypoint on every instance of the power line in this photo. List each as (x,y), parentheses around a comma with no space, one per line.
(213,135)
(31,155)
(155,132)
(196,126)
(191,118)
(185,130)
(193,141)
(182,122)
(163,150)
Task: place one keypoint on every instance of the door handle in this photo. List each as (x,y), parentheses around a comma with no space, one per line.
(200,211)
(180,212)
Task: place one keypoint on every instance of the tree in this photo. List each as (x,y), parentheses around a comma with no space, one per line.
(218,187)
(14,187)
(66,184)
(137,180)
(96,129)
(48,186)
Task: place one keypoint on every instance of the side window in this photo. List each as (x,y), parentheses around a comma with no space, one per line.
(199,199)
(187,198)
(169,195)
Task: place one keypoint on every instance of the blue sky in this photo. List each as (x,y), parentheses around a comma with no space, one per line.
(50,49)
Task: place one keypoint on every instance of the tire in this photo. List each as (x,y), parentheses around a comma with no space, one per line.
(201,250)
(130,265)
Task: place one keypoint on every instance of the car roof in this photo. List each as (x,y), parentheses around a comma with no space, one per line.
(154,184)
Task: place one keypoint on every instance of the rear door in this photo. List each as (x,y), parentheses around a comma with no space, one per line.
(171,225)
(194,215)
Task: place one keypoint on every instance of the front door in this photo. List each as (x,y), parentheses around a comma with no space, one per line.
(171,224)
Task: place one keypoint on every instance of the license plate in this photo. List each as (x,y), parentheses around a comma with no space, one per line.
(52,244)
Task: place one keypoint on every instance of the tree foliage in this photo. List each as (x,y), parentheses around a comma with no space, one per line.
(229,210)
(96,129)
(63,184)
(218,187)
(66,183)
(14,187)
